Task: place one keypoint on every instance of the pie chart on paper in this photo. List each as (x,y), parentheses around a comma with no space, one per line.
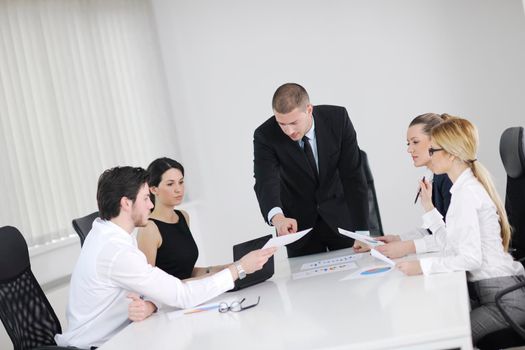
(376,270)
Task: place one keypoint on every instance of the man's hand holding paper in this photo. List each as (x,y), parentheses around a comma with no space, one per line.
(284,225)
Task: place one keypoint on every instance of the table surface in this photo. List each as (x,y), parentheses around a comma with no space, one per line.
(330,311)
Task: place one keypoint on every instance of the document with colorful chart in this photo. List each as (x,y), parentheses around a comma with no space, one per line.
(333,261)
(361,238)
(324,270)
(370,272)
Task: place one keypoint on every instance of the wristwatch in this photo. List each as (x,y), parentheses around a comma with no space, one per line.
(240,270)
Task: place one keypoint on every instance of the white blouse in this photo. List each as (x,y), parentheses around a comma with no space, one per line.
(471,239)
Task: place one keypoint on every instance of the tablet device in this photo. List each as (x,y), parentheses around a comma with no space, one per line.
(240,250)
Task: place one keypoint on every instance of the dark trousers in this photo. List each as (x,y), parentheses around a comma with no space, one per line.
(320,239)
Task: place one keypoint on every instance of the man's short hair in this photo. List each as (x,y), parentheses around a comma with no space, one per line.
(288,97)
(116,183)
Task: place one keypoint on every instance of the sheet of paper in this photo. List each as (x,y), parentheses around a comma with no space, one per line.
(333,261)
(324,270)
(370,272)
(201,308)
(214,307)
(286,239)
(361,238)
(381,257)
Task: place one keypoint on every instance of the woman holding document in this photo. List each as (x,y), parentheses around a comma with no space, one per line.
(477,233)
(166,240)
(418,143)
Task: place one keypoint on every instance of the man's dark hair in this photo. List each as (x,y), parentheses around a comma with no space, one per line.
(289,96)
(158,167)
(116,183)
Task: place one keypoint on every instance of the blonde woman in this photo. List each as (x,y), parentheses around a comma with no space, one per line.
(476,236)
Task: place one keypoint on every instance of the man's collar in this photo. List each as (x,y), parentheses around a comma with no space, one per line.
(311,133)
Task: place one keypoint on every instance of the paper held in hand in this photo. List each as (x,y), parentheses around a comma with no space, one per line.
(361,238)
(286,239)
(381,257)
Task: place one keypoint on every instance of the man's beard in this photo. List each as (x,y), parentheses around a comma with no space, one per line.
(138,222)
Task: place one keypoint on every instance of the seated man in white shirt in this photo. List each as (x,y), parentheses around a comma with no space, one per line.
(111,270)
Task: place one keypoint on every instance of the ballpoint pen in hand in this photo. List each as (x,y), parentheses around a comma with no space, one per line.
(419,192)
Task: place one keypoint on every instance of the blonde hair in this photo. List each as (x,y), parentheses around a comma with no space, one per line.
(429,120)
(459,137)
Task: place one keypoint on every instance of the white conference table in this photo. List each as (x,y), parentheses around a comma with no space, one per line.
(330,311)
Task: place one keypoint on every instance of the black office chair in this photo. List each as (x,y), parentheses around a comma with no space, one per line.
(25,311)
(508,337)
(512,152)
(375,226)
(83,225)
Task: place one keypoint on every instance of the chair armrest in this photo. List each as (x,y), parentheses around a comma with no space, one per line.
(52,347)
(515,326)
(55,347)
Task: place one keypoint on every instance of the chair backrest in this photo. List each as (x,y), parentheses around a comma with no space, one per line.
(512,151)
(374,218)
(83,225)
(25,311)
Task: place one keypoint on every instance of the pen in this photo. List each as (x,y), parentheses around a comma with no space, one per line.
(201,309)
(419,192)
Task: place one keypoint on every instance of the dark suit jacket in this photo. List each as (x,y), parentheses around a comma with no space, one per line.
(441,185)
(284,179)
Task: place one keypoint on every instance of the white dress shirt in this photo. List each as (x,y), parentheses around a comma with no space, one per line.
(414,234)
(313,143)
(418,232)
(471,240)
(109,267)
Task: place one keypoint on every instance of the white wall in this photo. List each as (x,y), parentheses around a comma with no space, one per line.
(386,61)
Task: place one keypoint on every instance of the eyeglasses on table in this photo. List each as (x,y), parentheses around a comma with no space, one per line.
(237,306)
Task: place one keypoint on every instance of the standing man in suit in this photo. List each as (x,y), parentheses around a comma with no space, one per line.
(307,169)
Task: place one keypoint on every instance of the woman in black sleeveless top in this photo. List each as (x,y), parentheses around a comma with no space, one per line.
(167,241)
(177,253)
